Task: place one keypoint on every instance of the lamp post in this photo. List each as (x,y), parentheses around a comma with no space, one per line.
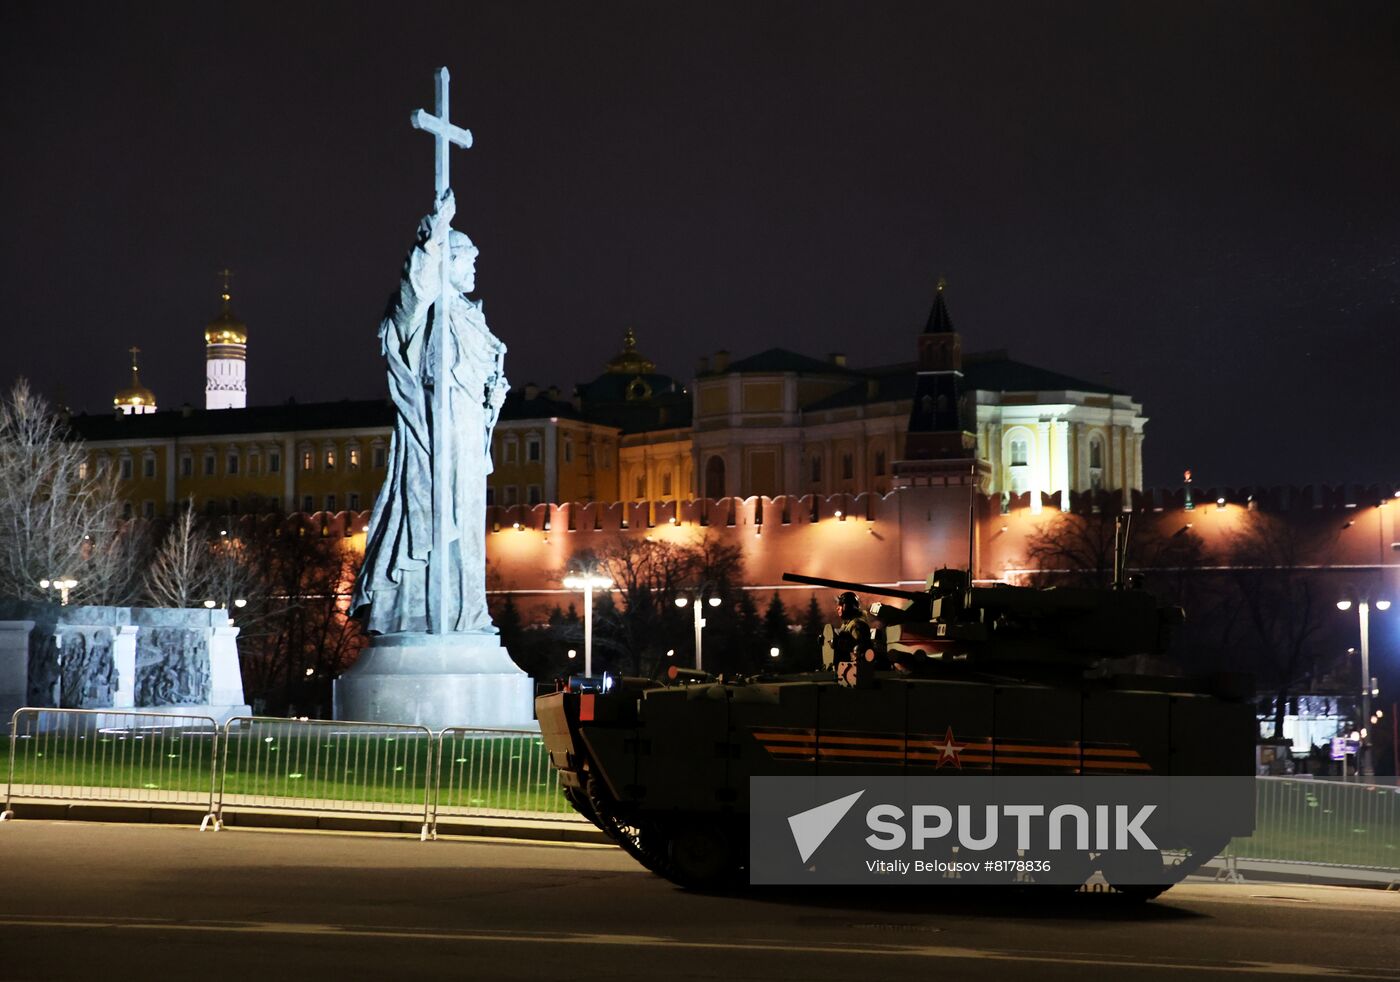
(587,582)
(697,608)
(62,584)
(1363,610)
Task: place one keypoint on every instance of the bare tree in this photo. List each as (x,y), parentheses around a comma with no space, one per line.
(180,568)
(1280,613)
(59,518)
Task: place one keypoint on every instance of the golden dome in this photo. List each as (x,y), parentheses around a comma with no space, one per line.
(629,361)
(226,328)
(136,397)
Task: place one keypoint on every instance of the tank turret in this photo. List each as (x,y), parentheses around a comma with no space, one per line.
(952,620)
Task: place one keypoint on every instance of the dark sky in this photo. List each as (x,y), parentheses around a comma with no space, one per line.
(1197,202)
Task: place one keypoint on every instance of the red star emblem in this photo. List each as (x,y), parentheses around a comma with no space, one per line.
(948,751)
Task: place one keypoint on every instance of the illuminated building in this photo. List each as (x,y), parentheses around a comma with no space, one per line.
(226,358)
(780,422)
(652,412)
(777,422)
(135,399)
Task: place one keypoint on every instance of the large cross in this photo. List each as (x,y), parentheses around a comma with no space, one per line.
(445,137)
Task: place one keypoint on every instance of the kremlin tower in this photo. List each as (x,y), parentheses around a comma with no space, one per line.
(226,358)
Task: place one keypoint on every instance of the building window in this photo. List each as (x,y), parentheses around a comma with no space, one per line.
(148,509)
(848,467)
(274,461)
(605,457)
(1095,452)
(330,502)
(379,458)
(254,463)
(186,465)
(148,467)
(534,494)
(329,458)
(1018,453)
(714,477)
(308,503)
(816,469)
(308,460)
(126,510)
(641,486)
(353,502)
(352,457)
(532,450)
(233,463)
(126,468)
(665,484)
(511,451)
(879,463)
(82,470)
(209,465)
(512,494)
(568,450)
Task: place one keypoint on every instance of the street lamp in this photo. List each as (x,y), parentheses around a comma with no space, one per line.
(1363,610)
(587,582)
(697,609)
(62,584)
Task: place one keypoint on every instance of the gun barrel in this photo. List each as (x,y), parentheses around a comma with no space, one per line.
(879,591)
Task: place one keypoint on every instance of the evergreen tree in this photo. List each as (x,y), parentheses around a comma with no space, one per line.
(811,645)
(775,630)
(749,647)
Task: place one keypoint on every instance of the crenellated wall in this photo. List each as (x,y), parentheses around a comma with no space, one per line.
(901,536)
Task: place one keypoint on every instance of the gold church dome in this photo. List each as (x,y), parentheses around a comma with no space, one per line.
(135,398)
(629,360)
(226,328)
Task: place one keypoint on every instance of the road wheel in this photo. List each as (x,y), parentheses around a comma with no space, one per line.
(702,855)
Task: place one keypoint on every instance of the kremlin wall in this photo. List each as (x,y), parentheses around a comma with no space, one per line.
(1348,534)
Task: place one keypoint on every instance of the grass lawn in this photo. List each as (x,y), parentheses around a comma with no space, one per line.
(289,763)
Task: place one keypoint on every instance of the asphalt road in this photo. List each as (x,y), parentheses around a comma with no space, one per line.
(111,902)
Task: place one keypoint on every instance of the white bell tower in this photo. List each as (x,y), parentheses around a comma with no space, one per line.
(226,358)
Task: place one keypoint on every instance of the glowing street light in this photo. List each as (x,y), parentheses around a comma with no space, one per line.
(698,609)
(63,584)
(587,582)
(1368,689)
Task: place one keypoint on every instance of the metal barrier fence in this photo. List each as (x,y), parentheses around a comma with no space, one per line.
(112,755)
(484,771)
(323,765)
(401,770)
(1327,823)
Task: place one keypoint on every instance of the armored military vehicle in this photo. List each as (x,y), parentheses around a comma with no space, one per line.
(956,680)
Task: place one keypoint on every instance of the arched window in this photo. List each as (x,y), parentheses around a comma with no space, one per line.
(1018,453)
(714,477)
(1096,452)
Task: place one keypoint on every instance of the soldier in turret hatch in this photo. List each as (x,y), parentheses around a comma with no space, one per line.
(849,640)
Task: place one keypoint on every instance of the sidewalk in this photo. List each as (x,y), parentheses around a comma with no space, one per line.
(234,816)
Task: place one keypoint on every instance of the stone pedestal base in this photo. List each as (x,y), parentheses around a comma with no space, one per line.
(436,680)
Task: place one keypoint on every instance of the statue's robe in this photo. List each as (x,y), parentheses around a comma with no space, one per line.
(391,591)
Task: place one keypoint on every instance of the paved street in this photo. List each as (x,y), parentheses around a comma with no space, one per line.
(89,901)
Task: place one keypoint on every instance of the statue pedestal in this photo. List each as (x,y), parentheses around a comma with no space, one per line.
(436,680)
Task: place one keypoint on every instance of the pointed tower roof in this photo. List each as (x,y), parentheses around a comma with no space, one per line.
(226,328)
(136,397)
(938,320)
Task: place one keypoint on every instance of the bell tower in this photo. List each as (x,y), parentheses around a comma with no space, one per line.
(226,357)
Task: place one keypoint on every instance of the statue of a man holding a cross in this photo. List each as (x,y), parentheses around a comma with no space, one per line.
(425,554)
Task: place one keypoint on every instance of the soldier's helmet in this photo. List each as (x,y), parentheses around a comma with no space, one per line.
(847,602)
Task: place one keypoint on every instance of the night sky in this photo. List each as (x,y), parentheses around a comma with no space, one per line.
(1198,203)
